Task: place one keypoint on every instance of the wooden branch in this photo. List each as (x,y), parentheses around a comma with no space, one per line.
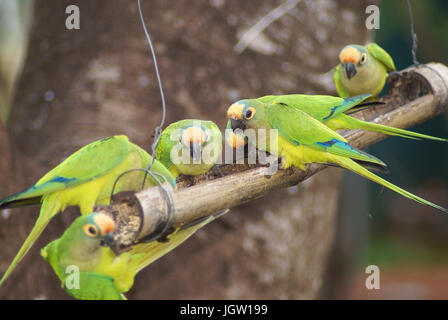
(414,96)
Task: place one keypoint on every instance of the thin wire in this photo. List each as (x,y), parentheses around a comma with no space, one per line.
(158,129)
(415,62)
(413,35)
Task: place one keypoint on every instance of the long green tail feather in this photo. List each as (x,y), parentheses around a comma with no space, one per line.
(355,167)
(364,106)
(44,217)
(365,125)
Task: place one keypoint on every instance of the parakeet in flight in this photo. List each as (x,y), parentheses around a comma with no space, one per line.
(102,275)
(84,179)
(303,139)
(362,70)
(190,147)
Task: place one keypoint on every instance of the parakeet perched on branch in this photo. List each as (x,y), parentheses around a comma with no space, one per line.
(101,275)
(190,147)
(84,179)
(303,139)
(362,70)
(332,112)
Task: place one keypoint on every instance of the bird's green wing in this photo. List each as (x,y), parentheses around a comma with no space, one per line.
(49,253)
(215,139)
(320,107)
(163,150)
(157,167)
(363,106)
(300,129)
(337,81)
(381,55)
(91,161)
(92,286)
(86,164)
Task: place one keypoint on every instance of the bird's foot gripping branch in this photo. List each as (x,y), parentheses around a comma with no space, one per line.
(414,96)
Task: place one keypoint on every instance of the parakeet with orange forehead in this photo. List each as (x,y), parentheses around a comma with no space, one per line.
(190,147)
(331,111)
(362,70)
(89,270)
(84,179)
(303,139)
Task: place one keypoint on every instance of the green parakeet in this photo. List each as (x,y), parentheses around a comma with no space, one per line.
(89,270)
(86,269)
(302,139)
(84,179)
(190,147)
(362,70)
(330,111)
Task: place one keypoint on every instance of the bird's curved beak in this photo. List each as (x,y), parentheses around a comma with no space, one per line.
(108,239)
(350,69)
(107,227)
(196,151)
(237,124)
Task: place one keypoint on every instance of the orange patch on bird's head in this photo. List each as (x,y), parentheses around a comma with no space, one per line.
(193,135)
(235,140)
(349,54)
(235,111)
(105,223)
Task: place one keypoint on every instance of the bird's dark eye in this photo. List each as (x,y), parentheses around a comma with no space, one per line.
(90,230)
(249,113)
(363,58)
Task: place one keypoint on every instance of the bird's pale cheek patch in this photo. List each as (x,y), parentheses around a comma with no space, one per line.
(235,111)
(349,55)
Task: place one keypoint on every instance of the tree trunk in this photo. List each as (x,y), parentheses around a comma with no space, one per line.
(82,85)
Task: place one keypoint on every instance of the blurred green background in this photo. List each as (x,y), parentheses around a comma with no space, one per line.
(407,242)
